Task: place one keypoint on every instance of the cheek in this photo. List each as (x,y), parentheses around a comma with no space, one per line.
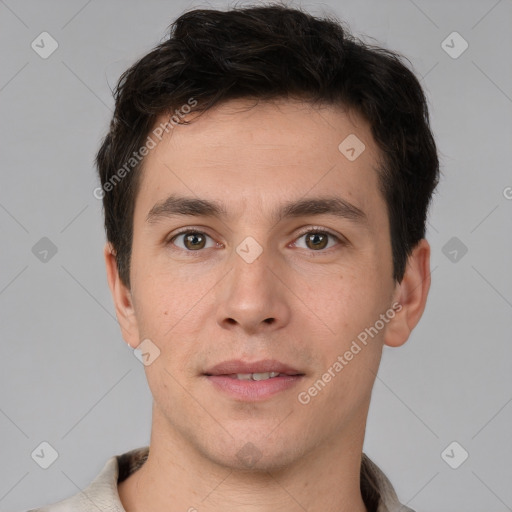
(169,313)
(164,298)
(351,299)
(350,308)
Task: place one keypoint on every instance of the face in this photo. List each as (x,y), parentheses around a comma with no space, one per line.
(254,282)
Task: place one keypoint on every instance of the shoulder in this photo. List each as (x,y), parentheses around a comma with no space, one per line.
(102,492)
(97,493)
(379,489)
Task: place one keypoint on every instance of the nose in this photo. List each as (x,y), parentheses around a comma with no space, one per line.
(252,297)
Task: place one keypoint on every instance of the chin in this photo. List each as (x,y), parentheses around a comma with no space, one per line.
(260,455)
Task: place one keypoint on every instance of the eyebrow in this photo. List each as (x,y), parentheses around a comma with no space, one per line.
(189,206)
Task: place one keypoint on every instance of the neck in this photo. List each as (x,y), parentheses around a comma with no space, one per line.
(176,477)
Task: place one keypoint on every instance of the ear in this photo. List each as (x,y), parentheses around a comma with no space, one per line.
(411,293)
(122,299)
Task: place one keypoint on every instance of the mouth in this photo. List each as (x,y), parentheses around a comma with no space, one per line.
(258,376)
(255,381)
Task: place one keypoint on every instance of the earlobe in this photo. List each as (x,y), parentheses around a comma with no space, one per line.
(121,296)
(411,293)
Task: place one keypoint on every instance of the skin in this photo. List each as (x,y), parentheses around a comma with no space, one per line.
(209,305)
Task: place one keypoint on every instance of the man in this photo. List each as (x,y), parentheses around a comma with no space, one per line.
(265,181)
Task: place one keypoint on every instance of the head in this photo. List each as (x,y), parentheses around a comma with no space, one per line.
(236,128)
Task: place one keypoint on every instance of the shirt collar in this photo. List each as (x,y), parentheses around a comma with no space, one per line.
(102,491)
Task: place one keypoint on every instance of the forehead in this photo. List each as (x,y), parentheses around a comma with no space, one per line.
(254,155)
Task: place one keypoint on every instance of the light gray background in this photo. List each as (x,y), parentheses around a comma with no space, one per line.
(68,378)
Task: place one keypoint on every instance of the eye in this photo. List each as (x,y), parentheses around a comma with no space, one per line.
(317,239)
(192,240)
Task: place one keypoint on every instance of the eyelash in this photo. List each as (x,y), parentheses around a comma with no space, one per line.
(313,230)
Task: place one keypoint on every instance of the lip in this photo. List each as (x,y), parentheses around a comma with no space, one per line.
(253,390)
(221,378)
(238,366)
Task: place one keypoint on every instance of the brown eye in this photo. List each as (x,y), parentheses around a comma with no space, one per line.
(194,241)
(191,240)
(317,240)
